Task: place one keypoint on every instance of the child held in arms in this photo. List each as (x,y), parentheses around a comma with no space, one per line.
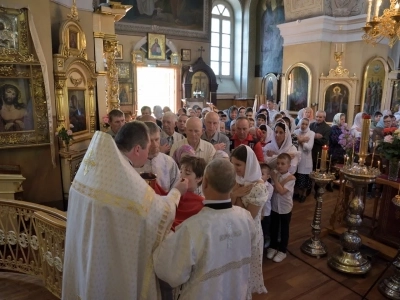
(281,205)
(266,211)
(190,204)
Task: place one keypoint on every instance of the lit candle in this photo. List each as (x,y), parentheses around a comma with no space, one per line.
(369,10)
(379,164)
(360,162)
(324,155)
(365,135)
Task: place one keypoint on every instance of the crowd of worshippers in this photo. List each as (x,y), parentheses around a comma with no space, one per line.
(240,159)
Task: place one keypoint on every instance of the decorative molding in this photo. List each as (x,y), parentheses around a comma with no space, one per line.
(323,29)
(75,81)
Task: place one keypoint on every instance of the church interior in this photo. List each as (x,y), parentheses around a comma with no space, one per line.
(70,62)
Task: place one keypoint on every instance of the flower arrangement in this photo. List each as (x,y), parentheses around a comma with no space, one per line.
(348,141)
(390,146)
(64,134)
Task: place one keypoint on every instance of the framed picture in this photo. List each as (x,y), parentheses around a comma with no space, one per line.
(73,39)
(189,18)
(77,110)
(186,54)
(297,88)
(156,46)
(118,53)
(336,100)
(270,88)
(17,107)
(374,85)
(125,94)
(124,70)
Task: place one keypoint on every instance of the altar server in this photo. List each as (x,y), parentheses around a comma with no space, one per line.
(209,255)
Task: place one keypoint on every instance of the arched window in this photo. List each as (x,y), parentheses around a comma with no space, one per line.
(221,40)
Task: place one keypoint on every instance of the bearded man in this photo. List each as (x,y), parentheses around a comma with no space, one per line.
(158,163)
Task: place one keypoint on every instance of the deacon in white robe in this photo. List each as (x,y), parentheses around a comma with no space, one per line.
(158,163)
(115,221)
(209,255)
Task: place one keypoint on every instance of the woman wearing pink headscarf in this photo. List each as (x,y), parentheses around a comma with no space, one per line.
(184,150)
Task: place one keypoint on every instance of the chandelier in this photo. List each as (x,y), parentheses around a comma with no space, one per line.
(385,26)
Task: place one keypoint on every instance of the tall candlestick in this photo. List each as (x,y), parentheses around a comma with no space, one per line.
(316,165)
(330,161)
(365,135)
(369,10)
(324,155)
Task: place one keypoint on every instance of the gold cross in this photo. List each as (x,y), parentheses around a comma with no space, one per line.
(88,162)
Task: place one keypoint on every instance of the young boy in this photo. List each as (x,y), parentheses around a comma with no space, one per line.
(266,211)
(281,205)
(190,204)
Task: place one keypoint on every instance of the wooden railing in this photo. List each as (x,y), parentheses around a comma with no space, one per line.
(32,241)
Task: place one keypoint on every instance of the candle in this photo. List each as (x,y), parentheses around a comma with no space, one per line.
(330,161)
(352,154)
(373,153)
(324,155)
(316,165)
(342,47)
(369,10)
(377,5)
(335,47)
(360,161)
(379,164)
(366,124)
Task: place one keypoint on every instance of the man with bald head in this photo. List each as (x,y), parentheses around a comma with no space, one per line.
(194,130)
(168,134)
(243,137)
(212,134)
(210,253)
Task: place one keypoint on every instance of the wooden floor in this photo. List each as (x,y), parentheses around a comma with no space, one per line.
(297,277)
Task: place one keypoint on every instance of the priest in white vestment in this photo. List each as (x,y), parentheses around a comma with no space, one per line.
(115,221)
(209,255)
(164,166)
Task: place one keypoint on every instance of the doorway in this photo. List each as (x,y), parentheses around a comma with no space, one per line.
(157,86)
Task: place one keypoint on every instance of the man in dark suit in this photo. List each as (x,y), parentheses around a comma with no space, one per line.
(322,131)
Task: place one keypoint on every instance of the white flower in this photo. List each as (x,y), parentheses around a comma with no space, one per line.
(69,132)
(388,139)
(71,126)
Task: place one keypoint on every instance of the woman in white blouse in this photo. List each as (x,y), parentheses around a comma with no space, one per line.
(305,138)
(281,143)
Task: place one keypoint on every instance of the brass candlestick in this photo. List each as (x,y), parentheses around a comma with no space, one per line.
(349,259)
(390,287)
(314,246)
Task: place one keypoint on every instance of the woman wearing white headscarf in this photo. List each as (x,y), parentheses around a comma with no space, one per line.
(281,143)
(305,137)
(336,151)
(299,117)
(285,113)
(251,193)
(356,129)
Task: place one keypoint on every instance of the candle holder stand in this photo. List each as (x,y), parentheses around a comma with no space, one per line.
(390,287)
(349,259)
(314,246)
